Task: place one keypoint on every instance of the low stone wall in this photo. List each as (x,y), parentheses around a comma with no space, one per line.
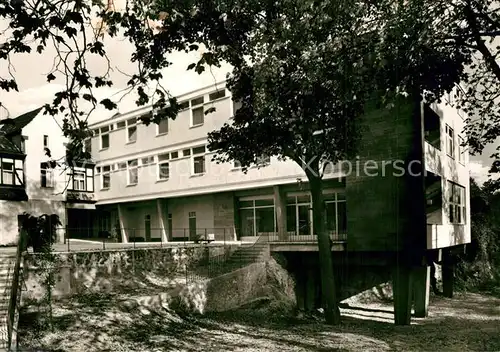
(124,271)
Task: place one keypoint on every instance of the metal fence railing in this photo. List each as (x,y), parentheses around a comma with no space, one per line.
(87,239)
(299,236)
(82,239)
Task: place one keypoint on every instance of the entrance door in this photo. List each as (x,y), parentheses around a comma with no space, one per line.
(147,227)
(192,226)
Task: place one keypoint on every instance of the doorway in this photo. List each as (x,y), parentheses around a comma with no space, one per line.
(147,227)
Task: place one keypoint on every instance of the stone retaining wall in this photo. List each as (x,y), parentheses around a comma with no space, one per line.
(124,271)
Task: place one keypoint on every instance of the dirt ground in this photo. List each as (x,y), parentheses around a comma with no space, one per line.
(468,322)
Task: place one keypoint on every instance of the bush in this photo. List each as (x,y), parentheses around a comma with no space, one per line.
(41,230)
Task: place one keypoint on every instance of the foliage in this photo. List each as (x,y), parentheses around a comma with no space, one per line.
(41,230)
(480,266)
(41,235)
(355,48)
(303,71)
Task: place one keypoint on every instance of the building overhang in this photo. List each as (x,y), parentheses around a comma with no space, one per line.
(13,193)
(76,197)
(84,206)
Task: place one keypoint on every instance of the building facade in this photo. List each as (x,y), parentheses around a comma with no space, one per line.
(157,182)
(35,178)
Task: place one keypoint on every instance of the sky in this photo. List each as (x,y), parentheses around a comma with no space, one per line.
(30,71)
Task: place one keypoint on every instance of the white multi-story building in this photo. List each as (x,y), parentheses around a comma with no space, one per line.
(158,183)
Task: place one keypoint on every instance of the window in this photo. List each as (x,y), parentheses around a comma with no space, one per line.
(163,167)
(217,95)
(23,143)
(11,175)
(133,176)
(263,160)
(197,101)
(257,216)
(45,141)
(197,112)
(79,180)
(12,172)
(198,117)
(46,176)
(104,141)
(147,160)
(236,105)
(186,152)
(104,137)
(174,155)
(106,177)
(199,160)
(299,214)
(121,166)
(131,130)
(461,150)
(183,105)
(450,142)
(456,206)
(336,213)
(87,146)
(98,170)
(120,125)
(432,127)
(162,127)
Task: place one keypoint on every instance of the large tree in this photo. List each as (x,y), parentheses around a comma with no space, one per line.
(303,70)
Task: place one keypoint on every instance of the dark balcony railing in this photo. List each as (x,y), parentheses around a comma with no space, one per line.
(78,239)
(298,236)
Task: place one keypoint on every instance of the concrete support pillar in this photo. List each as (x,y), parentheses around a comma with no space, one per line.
(237,220)
(310,289)
(401,287)
(280,206)
(448,274)
(421,288)
(161,207)
(123,229)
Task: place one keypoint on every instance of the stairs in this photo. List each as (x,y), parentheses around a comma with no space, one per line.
(7,264)
(248,253)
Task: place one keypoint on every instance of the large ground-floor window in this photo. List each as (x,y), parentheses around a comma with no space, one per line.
(257,215)
(299,216)
(336,213)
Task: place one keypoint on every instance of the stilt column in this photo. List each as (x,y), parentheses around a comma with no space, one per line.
(401,287)
(421,288)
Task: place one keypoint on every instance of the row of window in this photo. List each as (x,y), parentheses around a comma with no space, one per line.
(197,118)
(432,128)
(197,155)
(450,145)
(258,215)
(78,178)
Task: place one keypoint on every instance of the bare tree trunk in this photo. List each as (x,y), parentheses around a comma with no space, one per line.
(332,312)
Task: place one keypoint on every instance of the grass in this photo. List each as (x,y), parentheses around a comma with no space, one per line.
(468,322)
